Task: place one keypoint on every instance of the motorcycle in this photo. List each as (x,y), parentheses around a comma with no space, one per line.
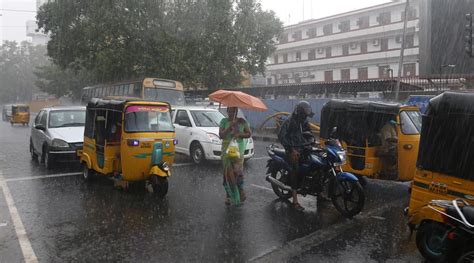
(445,231)
(320,168)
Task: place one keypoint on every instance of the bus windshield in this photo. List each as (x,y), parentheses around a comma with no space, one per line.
(148,119)
(172,96)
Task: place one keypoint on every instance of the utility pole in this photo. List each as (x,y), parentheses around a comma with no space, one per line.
(402,51)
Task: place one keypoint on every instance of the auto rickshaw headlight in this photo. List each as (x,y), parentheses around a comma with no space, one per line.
(132,142)
(58,143)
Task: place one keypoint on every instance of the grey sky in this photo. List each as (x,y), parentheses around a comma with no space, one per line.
(13,24)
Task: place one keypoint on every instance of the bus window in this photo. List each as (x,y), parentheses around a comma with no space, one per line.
(130,89)
(122,90)
(137,90)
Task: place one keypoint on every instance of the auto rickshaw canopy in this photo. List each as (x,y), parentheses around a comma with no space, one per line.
(356,121)
(447,135)
(20,108)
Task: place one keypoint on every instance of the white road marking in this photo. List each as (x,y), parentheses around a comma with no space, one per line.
(261,187)
(182,164)
(25,245)
(260,158)
(26,178)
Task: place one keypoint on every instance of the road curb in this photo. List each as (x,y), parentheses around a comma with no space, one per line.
(298,246)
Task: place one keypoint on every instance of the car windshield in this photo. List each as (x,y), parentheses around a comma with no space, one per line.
(203,118)
(67,118)
(148,119)
(173,97)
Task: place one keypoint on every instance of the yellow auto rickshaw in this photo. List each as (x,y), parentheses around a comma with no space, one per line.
(129,140)
(445,169)
(20,114)
(360,127)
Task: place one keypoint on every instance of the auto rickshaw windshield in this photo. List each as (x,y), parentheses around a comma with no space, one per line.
(140,118)
(410,122)
(22,109)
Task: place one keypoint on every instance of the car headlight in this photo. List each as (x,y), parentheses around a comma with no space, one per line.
(250,140)
(342,158)
(58,143)
(214,138)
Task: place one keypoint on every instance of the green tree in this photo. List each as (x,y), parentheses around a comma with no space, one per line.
(17,65)
(204,43)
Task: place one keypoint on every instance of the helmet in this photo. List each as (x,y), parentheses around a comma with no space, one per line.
(303,109)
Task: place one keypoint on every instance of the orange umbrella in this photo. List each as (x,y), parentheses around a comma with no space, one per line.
(238,99)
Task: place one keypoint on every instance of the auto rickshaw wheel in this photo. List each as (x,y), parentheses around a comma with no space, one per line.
(430,241)
(87,173)
(160,185)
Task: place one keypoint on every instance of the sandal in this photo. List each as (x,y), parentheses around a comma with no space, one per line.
(298,207)
(227,201)
(242,196)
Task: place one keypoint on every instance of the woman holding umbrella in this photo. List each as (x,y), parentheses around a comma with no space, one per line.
(234,131)
(238,130)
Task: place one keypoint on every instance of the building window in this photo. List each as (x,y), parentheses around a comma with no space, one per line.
(328,52)
(284,38)
(363,47)
(345,26)
(285,58)
(298,55)
(384,44)
(312,54)
(297,78)
(297,35)
(409,41)
(311,33)
(363,22)
(275,59)
(327,29)
(362,73)
(409,70)
(328,75)
(384,72)
(384,18)
(345,49)
(345,74)
(411,14)
(269,81)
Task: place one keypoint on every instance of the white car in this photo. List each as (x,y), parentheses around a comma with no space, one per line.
(197,132)
(57,134)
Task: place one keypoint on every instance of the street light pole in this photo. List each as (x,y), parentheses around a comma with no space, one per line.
(402,51)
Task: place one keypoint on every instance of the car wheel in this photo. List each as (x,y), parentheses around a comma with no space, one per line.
(47,160)
(34,156)
(197,153)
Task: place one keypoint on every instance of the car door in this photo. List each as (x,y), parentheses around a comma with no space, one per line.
(42,134)
(183,132)
(35,131)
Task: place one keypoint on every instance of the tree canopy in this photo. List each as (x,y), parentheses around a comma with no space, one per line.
(203,43)
(18,61)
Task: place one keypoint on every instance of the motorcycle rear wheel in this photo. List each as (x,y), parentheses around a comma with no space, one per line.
(429,241)
(347,193)
(284,177)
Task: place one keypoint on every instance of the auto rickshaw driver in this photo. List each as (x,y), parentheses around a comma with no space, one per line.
(388,150)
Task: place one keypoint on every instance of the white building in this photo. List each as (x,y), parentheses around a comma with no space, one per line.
(37,38)
(357,45)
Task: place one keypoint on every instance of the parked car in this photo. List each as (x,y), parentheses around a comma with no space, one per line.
(197,132)
(6,112)
(57,133)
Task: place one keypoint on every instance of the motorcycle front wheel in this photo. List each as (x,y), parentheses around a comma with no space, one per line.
(348,197)
(283,176)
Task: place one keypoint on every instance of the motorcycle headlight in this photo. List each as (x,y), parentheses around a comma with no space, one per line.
(342,158)
(214,138)
(165,166)
(58,143)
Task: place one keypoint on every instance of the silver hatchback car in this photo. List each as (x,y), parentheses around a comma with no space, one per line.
(57,134)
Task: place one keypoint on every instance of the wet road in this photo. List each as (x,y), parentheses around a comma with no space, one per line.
(66,219)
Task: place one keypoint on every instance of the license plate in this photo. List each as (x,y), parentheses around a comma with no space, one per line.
(438,188)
